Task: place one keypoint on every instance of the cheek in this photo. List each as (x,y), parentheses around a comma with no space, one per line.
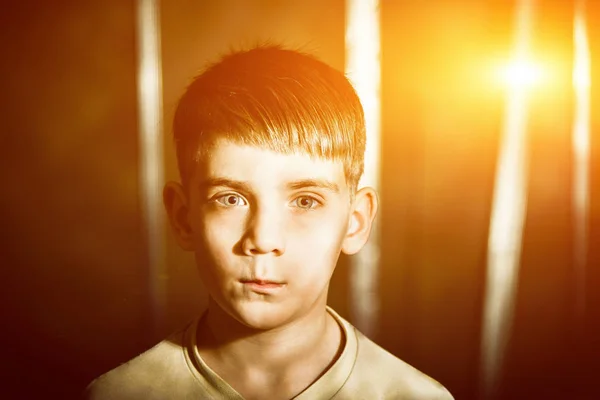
(216,235)
(217,229)
(323,228)
(316,246)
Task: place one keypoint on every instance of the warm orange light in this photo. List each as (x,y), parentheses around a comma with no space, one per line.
(509,205)
(363,70)
(151,153)
(522,73)
(582,66)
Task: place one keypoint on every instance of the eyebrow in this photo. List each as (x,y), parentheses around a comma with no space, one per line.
(293,185)
(314,183)
(225,182)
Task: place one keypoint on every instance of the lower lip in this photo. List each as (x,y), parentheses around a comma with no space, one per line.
(264,287)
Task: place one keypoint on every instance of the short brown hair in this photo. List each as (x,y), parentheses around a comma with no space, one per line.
(275,98)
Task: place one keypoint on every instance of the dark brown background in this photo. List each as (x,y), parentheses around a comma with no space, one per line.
(75,290)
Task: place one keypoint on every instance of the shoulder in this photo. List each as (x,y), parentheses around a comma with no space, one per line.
(145,376)
(384,375)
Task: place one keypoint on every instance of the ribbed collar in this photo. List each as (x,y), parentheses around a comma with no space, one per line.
(324,388)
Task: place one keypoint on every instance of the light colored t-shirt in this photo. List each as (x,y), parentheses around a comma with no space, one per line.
(173,369)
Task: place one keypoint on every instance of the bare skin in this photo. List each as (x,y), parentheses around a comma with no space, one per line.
(267,230)
(286,360)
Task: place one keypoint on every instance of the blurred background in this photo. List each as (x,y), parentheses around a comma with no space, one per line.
(79,295)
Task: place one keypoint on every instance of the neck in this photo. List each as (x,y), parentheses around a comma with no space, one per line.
(224,342)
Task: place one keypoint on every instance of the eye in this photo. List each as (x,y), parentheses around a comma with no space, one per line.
(306,202)
(231,200)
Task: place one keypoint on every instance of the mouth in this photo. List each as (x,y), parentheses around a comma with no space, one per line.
(263,286)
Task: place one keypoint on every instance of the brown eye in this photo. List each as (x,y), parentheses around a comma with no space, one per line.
(231,200)
(306,202)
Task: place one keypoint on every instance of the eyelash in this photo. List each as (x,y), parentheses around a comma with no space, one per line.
(315,202)
(223,196)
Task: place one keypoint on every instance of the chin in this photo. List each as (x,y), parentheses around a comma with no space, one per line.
(261,316)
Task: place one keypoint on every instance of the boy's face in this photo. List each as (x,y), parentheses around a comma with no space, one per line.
(267,230)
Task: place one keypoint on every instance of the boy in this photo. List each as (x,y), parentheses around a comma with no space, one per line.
(270,146)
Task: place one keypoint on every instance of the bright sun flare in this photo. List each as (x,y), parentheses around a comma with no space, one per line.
(522,73)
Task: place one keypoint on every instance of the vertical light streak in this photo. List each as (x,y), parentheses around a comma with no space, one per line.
(150,113)
(363,70)
(508,215)
(581,154)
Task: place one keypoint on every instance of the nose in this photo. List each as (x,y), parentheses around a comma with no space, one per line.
(264,233)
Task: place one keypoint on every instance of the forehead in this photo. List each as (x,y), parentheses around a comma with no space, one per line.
(264,166)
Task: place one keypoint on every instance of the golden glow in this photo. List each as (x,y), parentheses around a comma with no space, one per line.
(581,153)
(363,70)
(582,65)
(151,152)
(522,73)
(508,208)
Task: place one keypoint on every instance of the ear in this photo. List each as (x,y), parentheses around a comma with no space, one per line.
(176,205)
(362,214)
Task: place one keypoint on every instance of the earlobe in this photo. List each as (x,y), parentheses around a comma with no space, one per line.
(362,215)
(176,206)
